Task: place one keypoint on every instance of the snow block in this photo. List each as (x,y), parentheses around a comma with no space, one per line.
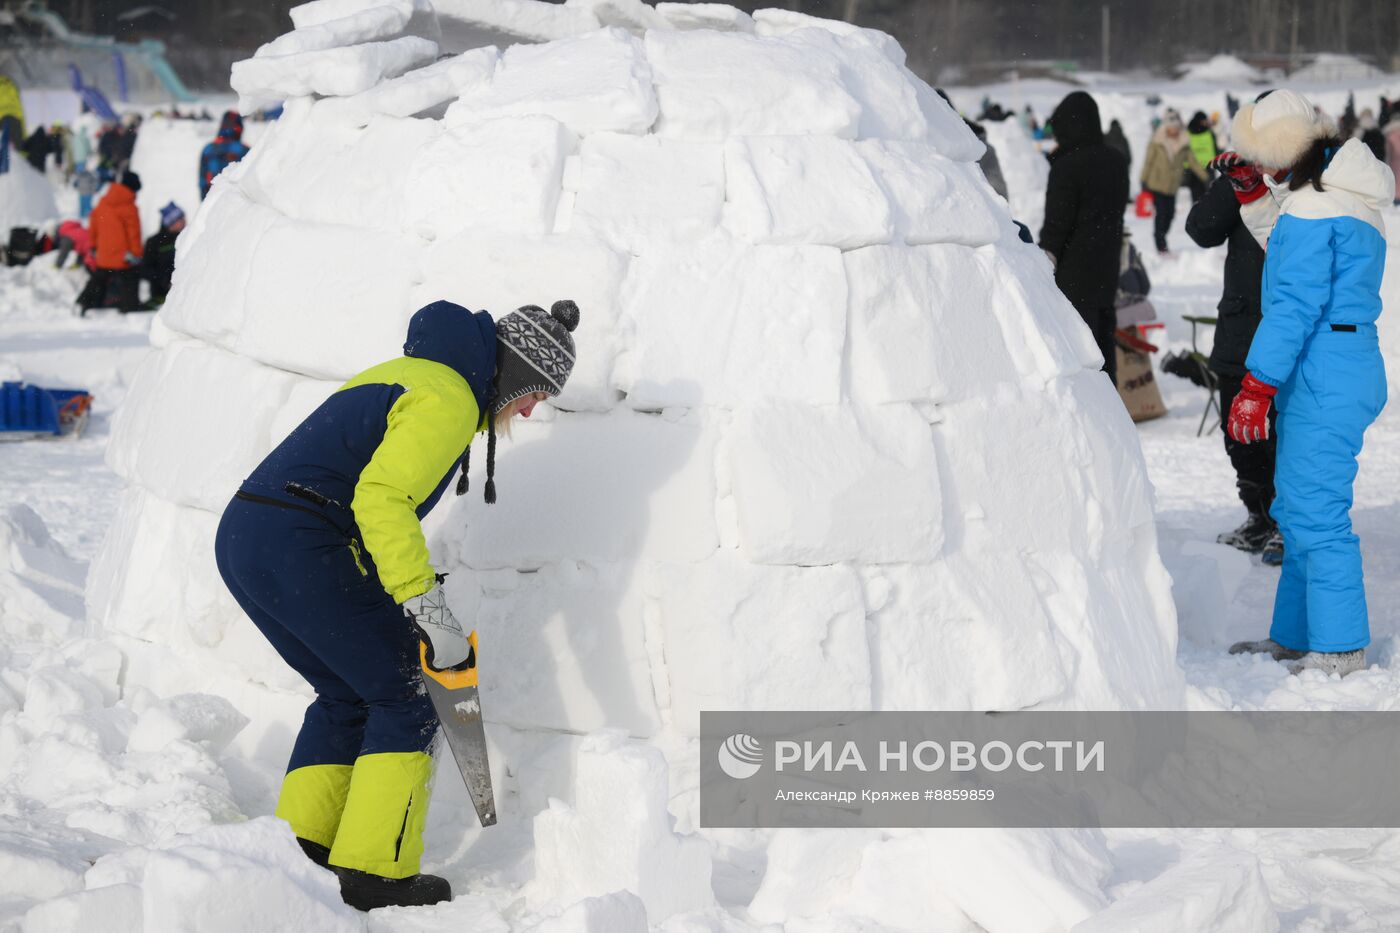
(803,189)
(305,396)
(724,323)
(1218,891)
(568,647)
(720,17)
(648,479)
(419,90)
(780,22)
(298,321)
(184,435)
(500,272)
(869,496)
(599,82)
(208,299)
(637,191)
(617,835)
(620,912)
(711,85)
(502,175)
(202,882)
(967,632)
(322,166)
(1046,336)
(741,636)
(995,491)
(935,200)
(155,579)
(922,326)
(635,16)
(335,72)
(376,22)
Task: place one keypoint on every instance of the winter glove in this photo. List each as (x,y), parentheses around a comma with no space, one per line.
(131,259)
(448,647)
(1249,413)
(1245,177)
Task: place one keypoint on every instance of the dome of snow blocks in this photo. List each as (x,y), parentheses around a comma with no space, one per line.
(834,439)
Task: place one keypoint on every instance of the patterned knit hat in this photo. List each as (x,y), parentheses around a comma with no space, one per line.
(534,352)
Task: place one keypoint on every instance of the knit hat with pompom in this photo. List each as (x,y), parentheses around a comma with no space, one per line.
(534,353)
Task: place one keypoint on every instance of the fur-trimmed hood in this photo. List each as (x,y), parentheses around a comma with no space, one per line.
(1276,131)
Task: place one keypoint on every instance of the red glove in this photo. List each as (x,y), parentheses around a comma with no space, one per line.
(1249,413)
(1245,177)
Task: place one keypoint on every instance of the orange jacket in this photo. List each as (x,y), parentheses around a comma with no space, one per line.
(116,228)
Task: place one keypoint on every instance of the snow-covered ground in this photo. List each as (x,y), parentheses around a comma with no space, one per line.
(123,782)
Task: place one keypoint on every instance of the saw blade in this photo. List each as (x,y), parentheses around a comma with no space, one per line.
(454,695)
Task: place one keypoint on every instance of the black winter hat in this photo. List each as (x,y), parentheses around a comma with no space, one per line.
(131,180)
(534,352)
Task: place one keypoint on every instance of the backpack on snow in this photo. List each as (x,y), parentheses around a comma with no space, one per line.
(23,246)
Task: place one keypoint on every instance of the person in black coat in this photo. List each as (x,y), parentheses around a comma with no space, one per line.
(1083,229)
(1115,139)
(1213,220)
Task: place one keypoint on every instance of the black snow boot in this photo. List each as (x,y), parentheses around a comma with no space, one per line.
(1251,536)
(316,852)
(364,891)
(1268,646)
(1272,554)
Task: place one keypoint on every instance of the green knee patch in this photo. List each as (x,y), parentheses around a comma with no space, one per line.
(312,800)
(381,829)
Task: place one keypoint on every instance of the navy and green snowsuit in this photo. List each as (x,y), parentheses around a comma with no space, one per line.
(322,544)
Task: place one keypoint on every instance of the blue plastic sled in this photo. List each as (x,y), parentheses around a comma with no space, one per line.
(28,411)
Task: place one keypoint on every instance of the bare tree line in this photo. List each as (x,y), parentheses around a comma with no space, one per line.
(938,34)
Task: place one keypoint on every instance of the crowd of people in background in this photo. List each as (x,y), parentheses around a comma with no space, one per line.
(104,236)
(1295,358)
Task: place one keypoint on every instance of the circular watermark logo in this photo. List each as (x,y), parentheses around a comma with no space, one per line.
(741,756)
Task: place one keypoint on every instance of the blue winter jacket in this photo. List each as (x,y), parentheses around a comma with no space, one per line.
(1324,261)
(378,454)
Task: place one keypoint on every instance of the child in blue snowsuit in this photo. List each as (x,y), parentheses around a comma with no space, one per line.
(1316,356)
(323,550)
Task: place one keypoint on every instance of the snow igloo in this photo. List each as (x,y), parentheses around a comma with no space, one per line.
(834,439)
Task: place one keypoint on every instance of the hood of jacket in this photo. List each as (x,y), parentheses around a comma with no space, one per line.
(1355,170)
(449,334)
(119,195)
(1076,122)
(1173,146)
(230,128)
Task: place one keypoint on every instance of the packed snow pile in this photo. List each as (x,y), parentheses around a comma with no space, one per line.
(1221,69)
(1330,67)
(834,440)
(26,198)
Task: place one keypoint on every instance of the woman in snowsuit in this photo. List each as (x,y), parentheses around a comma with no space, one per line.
(1316,356)
(322,548)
